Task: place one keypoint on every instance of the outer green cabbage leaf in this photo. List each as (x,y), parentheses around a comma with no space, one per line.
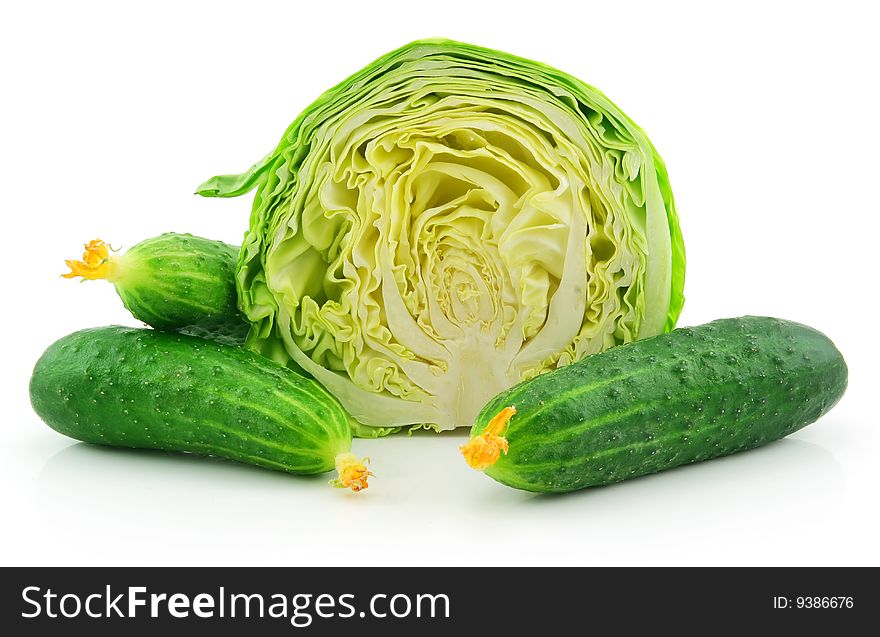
(449,221)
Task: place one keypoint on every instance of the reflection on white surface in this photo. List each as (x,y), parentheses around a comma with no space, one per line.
(153,507)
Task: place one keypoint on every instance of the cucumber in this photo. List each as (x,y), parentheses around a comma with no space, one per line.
(141,388)
(174,282)
(686,396)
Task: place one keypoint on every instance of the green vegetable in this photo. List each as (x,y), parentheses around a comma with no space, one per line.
(450,221)
(141,388)
(691,395)
(174,282)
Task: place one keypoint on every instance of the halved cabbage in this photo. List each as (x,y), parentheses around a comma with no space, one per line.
(449,221)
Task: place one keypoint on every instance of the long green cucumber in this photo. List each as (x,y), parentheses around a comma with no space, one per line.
(173,282)
(682,397)
(142,388)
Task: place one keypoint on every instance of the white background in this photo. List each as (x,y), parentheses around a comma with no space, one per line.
(766,114)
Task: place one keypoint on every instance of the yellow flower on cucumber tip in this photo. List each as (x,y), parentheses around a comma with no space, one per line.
(353,473)
(482,451)
(96,262)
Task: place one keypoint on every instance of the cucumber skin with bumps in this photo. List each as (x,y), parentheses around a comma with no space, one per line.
(183,283)
(682,397)
(141,388)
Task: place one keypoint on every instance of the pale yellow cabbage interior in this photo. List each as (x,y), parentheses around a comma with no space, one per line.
(452,233)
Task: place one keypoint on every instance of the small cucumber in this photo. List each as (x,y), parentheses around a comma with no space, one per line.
(142,388)
(690,395)
(173,282)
